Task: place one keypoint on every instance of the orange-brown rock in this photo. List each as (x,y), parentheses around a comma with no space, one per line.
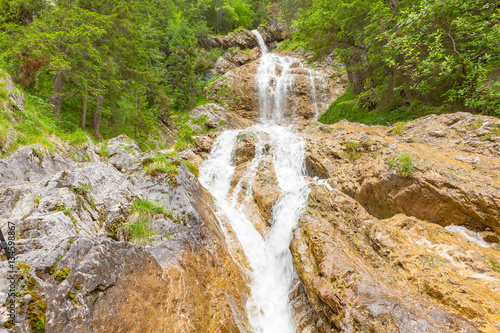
(456,179)
(265,188)
(255,181)
(398,274)
(373,253)
(237,92)
(244,149)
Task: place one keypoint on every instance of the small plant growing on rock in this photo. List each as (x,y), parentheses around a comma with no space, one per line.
(67,212)
(73,297)
(352,150)
(193,168)
(103,150)
(160,163)
(38,153)
(493,133)
(157,168)
(83,189)
(399,128)
(37,199)
(26,284)
(403,164)
(476,125)
(142,212)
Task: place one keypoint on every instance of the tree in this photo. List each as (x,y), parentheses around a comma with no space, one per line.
(449,50)
(64,38)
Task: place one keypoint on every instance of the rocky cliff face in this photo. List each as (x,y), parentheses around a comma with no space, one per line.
(241,38)
(74,275)
(372,249)
(313,88)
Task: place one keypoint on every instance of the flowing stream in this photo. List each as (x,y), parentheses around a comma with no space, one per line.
(267,254)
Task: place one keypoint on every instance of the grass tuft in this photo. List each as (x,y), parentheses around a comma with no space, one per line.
(352,151)
(193,168)
(142,213)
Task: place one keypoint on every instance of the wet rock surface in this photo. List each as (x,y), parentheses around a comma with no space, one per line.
(373,252)
(313,89)
(70,246)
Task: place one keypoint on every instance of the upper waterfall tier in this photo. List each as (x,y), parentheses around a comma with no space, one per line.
(278,87)
(275,85)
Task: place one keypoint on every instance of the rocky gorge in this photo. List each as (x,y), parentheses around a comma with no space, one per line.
(291,226)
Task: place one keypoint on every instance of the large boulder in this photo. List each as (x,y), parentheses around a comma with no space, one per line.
(240,38)
(80,271)
(455,179)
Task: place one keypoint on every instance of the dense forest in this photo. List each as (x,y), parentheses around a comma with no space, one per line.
(115,66)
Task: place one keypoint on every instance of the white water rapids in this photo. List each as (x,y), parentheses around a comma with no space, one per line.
(268,256)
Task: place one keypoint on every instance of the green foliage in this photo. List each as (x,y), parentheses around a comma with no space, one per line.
(352,150)
(142,212)
(125,62)
(476,125)
(26,285)
(84,189)
(73,297)
(67,212)
(62,274)
(159,164)
(408,58)
(193,168)
(399,128)
(156,168)
(495,132)
(461,40)
(102,150)
(145,206)
(403,164)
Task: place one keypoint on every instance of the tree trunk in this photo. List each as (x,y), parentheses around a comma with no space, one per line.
(217,21)
(84,112)
(356,77)
(96,123)
(57,94)
(393,3)
(264,7)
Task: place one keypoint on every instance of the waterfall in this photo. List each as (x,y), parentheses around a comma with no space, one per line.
(274,82)
(315,78)
(267,254)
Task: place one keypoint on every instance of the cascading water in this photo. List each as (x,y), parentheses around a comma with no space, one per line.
(267,254)
(272,89)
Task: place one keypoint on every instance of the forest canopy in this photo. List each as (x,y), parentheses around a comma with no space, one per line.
(126,63)
(409,55)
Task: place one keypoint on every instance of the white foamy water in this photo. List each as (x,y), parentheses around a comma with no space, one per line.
(268,256)
(473,236)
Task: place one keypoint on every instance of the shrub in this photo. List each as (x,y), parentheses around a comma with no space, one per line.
(403,164)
